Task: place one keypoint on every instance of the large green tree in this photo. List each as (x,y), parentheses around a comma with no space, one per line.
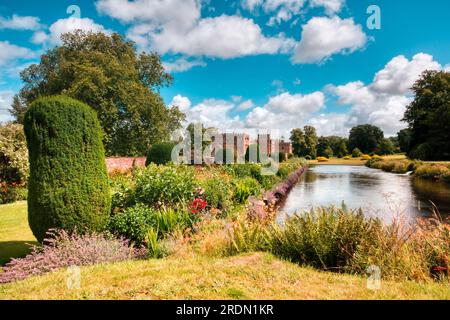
(304,142)
(298,141)
(367,138)
(337,145)
(107,73)
(404,140)
(18,109)
(311,141)
(428,117)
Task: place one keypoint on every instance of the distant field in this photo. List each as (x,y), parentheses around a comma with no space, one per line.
(354,161)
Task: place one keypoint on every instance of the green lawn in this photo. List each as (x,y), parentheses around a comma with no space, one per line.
(189,275)
(15,234)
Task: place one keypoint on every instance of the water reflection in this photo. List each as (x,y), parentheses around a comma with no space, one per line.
(378,193)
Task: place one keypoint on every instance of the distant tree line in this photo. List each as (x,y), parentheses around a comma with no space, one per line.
(367,139)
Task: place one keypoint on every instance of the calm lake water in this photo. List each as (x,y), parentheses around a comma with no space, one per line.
(378,193)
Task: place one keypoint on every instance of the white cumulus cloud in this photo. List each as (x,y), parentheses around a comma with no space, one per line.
(17,22)
(183,64)
(399,75)
(176,26)
(323,37)
(61,26)
(6,98)
(330,6)
(383,102)
(10,53)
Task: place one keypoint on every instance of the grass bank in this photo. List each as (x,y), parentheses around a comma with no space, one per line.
(439,171)
(360,161)
(249,276)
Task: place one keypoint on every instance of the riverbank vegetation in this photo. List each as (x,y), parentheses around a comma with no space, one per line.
(438,171)
(342,240)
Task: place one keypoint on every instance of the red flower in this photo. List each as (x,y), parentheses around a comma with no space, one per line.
(439,269)
(198,205)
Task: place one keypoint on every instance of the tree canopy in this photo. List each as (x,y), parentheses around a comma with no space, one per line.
(332,145)
(428,117)
(304,142)
(367,138)
(106,72)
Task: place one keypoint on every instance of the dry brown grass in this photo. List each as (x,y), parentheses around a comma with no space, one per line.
(251,276)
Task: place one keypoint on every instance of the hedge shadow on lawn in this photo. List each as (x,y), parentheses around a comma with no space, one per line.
(14,249)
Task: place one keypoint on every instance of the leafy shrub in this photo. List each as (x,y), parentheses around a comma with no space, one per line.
(12,193)
(170,184)
(160,153)
(401,167)
(63,250)
(246,187)
(374,163)
(68,186)
(122,192)
(135,222)
(356,153)
(14,166)
(328,153)
(423,151)
(325,238)
(286,168)
(245,170)
(283,171)
(218,192)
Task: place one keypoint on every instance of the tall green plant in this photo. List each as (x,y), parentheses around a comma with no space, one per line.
(68,186)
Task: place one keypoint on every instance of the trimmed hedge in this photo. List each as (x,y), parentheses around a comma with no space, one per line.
(68,185)
(160,153)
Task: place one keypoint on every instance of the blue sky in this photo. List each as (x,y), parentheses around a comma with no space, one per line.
(249,64)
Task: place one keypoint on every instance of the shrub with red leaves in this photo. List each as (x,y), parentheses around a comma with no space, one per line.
(63,250)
